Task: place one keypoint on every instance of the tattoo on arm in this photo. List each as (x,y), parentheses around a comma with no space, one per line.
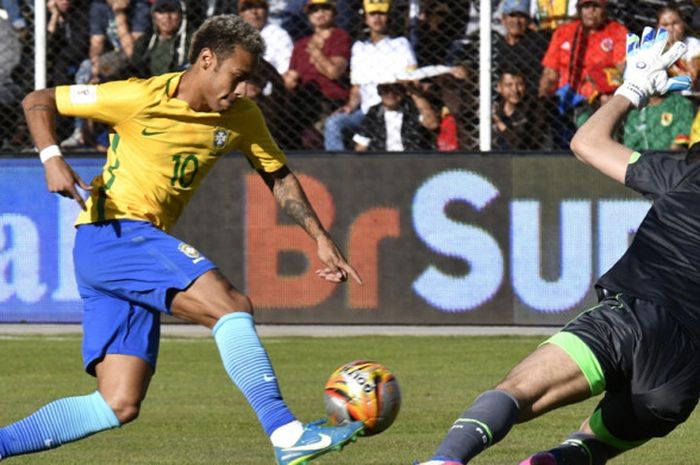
(39,107)
(292,199)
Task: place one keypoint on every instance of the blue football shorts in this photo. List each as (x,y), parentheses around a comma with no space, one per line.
(127,273)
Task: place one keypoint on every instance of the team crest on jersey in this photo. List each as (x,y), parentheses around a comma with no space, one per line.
(220,138)
(606,45)
(666,119)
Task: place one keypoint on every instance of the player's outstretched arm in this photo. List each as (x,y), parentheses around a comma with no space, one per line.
(292,199)
(645,75)
(40,112)
(594,145)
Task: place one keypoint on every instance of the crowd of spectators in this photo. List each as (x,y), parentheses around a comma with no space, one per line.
(373,75)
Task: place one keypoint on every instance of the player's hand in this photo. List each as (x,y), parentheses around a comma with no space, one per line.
(62,180)
(337,269)
(647,65)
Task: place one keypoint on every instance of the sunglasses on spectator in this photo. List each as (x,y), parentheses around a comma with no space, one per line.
(315,8)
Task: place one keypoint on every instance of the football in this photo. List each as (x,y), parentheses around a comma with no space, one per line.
(365,391)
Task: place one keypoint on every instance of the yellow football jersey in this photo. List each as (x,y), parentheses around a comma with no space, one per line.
(160,148)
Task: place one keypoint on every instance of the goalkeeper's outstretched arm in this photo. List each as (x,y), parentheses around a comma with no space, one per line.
(647,63)
(593,143)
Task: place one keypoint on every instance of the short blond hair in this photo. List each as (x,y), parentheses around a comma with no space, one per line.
(222,34)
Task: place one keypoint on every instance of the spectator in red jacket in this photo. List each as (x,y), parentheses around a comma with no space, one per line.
(591,41)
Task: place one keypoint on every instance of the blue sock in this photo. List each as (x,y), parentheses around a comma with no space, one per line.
(57,423)
(248,365)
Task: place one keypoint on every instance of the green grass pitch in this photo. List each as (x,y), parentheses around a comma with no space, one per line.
(193,414)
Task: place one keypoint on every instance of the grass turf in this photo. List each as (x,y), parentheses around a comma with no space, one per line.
(193,414)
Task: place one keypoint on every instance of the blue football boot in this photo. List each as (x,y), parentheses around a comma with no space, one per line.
(318,439)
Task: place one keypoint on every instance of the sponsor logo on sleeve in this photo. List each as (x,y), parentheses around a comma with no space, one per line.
(83,94)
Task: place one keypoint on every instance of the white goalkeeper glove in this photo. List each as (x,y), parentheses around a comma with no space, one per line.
(647,65)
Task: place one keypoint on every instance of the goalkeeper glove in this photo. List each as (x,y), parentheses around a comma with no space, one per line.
(645,71)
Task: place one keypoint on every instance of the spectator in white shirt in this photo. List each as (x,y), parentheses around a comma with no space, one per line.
(278,43)
(379,58)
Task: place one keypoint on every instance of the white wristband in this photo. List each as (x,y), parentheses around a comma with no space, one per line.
(49,152)
(633,93)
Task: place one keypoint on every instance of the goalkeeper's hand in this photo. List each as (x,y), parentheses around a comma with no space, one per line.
(647,65)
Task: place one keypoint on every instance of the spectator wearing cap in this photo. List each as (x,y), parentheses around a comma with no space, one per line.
(376,59)
(402,121)
(593,40)
(520,48)
(318,72)
(166,48)
(278,42)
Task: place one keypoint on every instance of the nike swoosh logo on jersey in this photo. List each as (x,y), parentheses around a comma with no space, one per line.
(268,378)
(323,442)
(146,132)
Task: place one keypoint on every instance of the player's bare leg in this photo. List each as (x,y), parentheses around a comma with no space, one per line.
(547,379)
(208,299)
(122,384)
(123,381)
(213,302)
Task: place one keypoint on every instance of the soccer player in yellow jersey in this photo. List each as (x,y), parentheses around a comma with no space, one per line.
(168,133)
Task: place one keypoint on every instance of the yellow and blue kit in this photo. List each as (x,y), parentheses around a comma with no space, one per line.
(127,266)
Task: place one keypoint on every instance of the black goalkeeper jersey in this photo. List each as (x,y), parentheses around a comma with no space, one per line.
(663,262)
